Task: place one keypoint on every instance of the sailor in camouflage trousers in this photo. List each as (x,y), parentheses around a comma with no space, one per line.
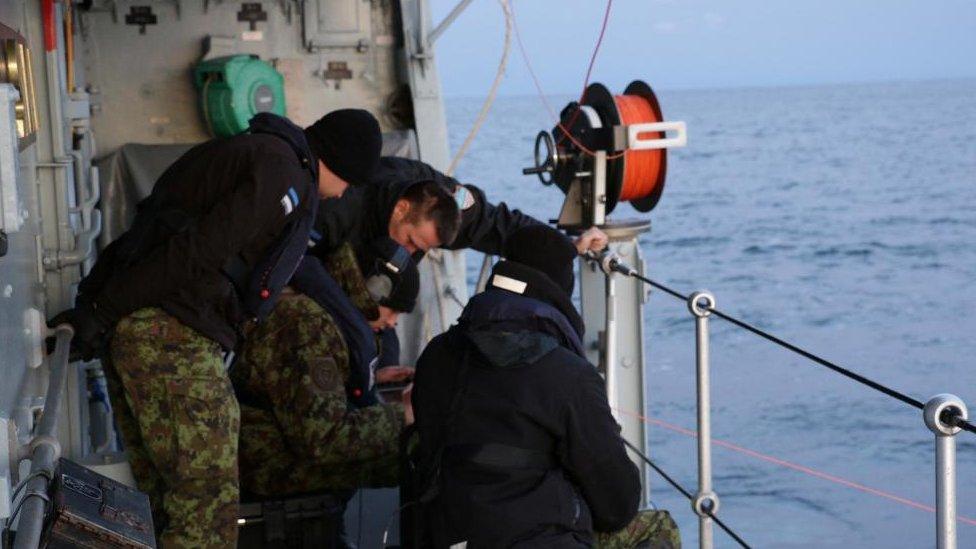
(183,442)
(299,431)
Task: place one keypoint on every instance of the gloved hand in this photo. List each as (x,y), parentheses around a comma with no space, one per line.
(91,331)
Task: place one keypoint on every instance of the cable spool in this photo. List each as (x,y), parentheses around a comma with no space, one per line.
(636,176)
(643,171)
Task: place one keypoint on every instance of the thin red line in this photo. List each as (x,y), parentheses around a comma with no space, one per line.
(542,94)
(795,466)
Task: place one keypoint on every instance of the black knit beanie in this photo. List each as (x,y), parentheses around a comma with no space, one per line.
(348,141)
(391,275)
(544,249)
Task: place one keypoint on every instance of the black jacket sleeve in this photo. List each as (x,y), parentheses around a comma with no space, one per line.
(486,227)
(252,209)
(595,457)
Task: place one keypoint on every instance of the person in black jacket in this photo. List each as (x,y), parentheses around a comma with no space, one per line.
(421,208)
(517,446)
(207,255)
(389,205)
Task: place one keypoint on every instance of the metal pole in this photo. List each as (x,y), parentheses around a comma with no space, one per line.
(442,26)
(610,335)
(706,501)
(44,448)
(938,413)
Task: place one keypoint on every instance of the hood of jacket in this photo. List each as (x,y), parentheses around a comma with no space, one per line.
(512,349)
(289,132)
(512,330)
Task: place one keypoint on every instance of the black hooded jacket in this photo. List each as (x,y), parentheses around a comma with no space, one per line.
(223,206)
(517,444)
(363,214)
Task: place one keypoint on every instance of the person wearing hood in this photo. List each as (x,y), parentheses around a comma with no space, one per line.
(421,208)
(311,417)
(516,443)
(206,256)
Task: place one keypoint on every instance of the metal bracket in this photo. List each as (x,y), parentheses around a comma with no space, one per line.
(633,137)
(937,413)
(252,13)
(91,217)
(141,16)
(705,504)
(701,303)
(77,107)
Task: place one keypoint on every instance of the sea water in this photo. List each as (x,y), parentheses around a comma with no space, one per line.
(841,218)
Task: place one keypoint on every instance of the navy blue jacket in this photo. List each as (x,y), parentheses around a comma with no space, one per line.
(511,375)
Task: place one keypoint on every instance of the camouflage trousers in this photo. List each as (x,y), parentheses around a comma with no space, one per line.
(298,432)
(175,409)
(648,530)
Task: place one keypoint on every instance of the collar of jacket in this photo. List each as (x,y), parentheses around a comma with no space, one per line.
(518,293)
(289,132)
(504,312)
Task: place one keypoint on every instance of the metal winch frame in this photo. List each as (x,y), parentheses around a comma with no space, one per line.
(587,166)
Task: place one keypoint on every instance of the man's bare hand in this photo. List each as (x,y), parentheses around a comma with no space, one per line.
(593,239)
(394,374)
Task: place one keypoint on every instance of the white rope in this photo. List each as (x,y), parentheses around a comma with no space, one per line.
(499,75)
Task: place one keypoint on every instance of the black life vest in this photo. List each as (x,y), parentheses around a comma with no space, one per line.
(259,285)
(313,280)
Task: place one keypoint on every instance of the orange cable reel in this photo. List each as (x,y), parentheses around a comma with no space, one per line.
(635,176)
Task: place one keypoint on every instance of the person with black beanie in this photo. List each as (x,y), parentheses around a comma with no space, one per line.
(209,252)
(516,442)
(347,145)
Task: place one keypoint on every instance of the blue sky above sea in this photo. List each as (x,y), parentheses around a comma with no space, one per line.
(684,44)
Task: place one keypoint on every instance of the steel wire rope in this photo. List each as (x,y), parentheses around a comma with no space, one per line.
(479,121)
(685,493)
(793,466)
(951,419)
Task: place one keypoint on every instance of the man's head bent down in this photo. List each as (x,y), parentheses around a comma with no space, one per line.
(424,217)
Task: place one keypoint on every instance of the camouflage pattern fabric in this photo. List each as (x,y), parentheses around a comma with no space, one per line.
(344,268)
(649,530)
(180,421)
(270,469)
(299,433)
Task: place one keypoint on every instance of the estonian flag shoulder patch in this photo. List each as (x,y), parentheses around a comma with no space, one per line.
(289,201)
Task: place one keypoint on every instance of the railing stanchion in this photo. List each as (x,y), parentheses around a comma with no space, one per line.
(938,414)
(706,502)
(611,345)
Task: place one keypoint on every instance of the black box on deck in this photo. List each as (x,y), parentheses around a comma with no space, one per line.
(311,521)
(94,511)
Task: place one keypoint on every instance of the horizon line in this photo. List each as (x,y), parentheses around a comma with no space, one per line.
(716,87)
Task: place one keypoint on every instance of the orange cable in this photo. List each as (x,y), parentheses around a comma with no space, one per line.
(794,466)
(641,168)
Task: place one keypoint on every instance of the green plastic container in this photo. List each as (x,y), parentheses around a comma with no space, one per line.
(233,89)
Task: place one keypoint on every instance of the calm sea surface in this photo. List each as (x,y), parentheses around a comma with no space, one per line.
(842,218)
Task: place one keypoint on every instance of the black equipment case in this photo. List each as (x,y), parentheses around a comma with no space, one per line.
(93,511)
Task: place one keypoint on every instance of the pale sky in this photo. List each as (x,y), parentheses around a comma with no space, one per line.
(710,43)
